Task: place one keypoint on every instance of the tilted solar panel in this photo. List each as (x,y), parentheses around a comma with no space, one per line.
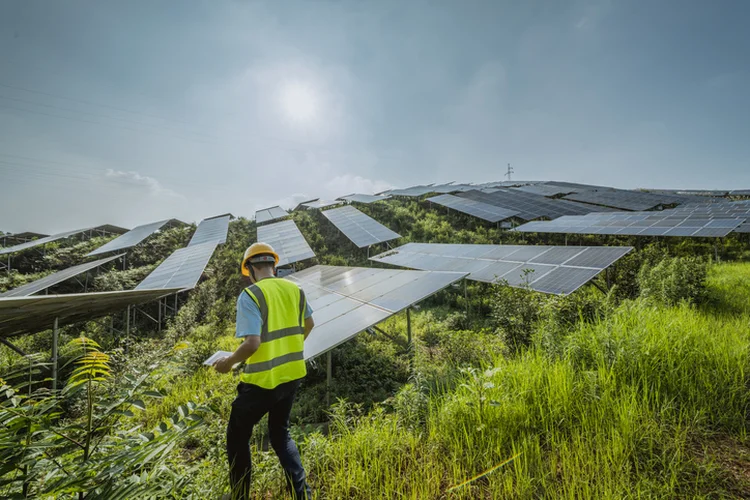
(478,209)
(287,240)
(129,239)
(211,230)
(360,228)
(55,278)
(348,300)
(182,269)
(364,198)
(270,214)
(548,269)
(41,241)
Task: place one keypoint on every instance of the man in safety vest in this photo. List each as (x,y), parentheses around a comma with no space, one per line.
(274,320)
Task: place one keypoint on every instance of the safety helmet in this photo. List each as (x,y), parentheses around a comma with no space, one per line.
(258,252)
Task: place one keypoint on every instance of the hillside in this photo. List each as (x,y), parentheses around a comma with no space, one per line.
(637,392)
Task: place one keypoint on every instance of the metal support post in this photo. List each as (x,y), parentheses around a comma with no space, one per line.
(159,316)
(408,327)
(55,334)
(329,376)
(466,300)
(127,321)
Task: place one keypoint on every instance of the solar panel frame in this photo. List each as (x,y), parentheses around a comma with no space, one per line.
(359,228)
(286,238)
(214,229)
(508,263)
(42,241)
(182,270)
(481,210)
(363,198)
(55,278)
(20,315)
(129,239)
(347,301)
(270,214)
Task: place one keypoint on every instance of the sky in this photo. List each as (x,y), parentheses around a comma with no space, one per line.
(134,111)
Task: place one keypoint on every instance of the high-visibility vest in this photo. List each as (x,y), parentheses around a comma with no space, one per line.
(280,357)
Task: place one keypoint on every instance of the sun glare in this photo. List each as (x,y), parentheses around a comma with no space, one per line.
(299,102)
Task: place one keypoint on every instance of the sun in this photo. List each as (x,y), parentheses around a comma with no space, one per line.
(299,102)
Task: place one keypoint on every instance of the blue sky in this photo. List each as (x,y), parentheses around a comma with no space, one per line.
(135,111)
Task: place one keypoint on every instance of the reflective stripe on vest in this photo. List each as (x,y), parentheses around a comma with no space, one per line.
(280,357)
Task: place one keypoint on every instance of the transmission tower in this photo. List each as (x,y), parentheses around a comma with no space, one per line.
(509,172)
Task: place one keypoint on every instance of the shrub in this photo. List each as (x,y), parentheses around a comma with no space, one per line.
(674,280)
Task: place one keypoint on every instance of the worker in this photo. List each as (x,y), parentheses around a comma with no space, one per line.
(273,319)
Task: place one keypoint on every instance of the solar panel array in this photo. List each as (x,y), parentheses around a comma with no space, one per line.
(548,269)
(20,315)
(626,200)
(348,300)
(478,209)
(530,206)
(41,241)
(361,229)
(413,191)
(211,230)
(286,238)
(55,278)
(543,189)
(182,269)
(129,239)
(637,224)
(364,198)
(270,214)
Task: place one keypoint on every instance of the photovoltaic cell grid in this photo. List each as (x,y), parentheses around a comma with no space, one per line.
(348,300)
(55,278)
(41,241)
(361,229)
(182,269)
(640,224)
(286,238)
(626,200)
(478,209)
(530,206)
(129,239)
(364,198)
(19,315)
(542,189)
(269,214)
(548,269)
(211,230)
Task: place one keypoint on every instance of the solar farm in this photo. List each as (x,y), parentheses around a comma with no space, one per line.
(377,270)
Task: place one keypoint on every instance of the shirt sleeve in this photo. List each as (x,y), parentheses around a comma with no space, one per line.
(308,310)
(249,319)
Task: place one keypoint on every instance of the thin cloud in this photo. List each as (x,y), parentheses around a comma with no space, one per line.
(151,185)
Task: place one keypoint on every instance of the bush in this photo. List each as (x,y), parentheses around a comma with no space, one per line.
(674,280)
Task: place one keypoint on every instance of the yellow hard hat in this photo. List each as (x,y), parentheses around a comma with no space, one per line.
(258,252)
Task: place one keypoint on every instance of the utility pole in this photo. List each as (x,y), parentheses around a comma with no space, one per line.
(509,172)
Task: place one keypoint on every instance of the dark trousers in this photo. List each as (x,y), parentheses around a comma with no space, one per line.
(248,408)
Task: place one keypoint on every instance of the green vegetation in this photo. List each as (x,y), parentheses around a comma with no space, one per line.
(641,391)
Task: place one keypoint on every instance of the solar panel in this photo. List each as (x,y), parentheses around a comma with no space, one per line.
(665,223)
(182,269)
(320,204)
(41,241)
(548,269)
(478,209)
(129,239)
(348,300)
(270,214)
(55,278)
(744,228)
(529,206)
(287,240)
(361,229)
(543,189)
(211,230)
(627,200)
(20,315)
(364,198)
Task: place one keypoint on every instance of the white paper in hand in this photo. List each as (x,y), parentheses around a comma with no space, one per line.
(216,357)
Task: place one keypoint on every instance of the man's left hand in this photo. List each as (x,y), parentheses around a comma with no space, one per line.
(223,365)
